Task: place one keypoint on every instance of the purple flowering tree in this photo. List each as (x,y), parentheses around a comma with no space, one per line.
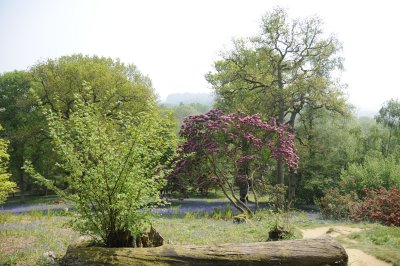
(227,151)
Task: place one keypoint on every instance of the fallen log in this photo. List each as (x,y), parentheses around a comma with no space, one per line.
(313,251)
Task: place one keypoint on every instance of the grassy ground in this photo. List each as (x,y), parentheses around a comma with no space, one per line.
(25,237)
(381,241)
(214,229)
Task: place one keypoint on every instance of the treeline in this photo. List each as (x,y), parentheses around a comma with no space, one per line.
(286,72)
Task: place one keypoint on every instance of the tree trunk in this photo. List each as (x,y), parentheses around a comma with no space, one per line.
(18,163)
(292,188)
(281,120)
(242,180)
(317,251)
(388,143)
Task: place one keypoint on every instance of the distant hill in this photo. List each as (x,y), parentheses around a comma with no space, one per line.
(187,98)
(365,112)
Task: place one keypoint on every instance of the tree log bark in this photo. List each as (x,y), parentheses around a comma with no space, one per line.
(316,251)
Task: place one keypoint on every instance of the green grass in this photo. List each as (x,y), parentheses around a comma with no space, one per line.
(25,237)
(381,241)
(199,230)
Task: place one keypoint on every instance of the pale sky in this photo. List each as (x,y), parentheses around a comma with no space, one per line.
(175,42)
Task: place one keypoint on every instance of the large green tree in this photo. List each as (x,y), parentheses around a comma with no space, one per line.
(279,72)
(6,186)
(56,81)
(389,117)
(24,128)
(328,143)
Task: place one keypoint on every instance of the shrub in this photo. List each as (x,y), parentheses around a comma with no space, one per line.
(334,205)
(375,172)
(115,166)
(231,150)
(379,205)
(277,196)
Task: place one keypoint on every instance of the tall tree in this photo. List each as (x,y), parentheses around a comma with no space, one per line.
(24,128)
(111,81)
(288,66)
(328,143)
(114,86)
(389,116)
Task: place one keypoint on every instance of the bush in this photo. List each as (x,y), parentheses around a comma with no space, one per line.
(375,172)
(115,166)
(277,196)
(336,206)
(379,205)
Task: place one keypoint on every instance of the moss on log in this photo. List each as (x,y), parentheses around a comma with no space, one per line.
(314,251)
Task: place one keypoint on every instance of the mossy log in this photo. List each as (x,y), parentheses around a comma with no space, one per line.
(313,251)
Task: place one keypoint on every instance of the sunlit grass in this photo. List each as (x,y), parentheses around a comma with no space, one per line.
(378,240)
(205,231)
(25,237)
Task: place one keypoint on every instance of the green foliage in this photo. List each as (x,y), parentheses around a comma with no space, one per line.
(24,128)
(276,195)
(114,86)
(280,72)
(327,143)
(376,171)
(389,116)
(115,166)
(281,226)
(182,111)
(6,186)
(57,81)
(224,214)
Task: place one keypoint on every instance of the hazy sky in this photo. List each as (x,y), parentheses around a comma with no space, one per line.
(176,42)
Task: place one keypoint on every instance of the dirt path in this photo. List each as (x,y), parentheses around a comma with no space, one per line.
(356,256)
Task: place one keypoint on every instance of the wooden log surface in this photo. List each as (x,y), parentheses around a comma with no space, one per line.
(313,251)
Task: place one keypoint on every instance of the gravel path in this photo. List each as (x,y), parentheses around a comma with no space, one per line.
(356,257)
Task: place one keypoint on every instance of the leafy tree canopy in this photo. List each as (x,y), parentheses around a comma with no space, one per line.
(57,81)
(288,66)
(24,128)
